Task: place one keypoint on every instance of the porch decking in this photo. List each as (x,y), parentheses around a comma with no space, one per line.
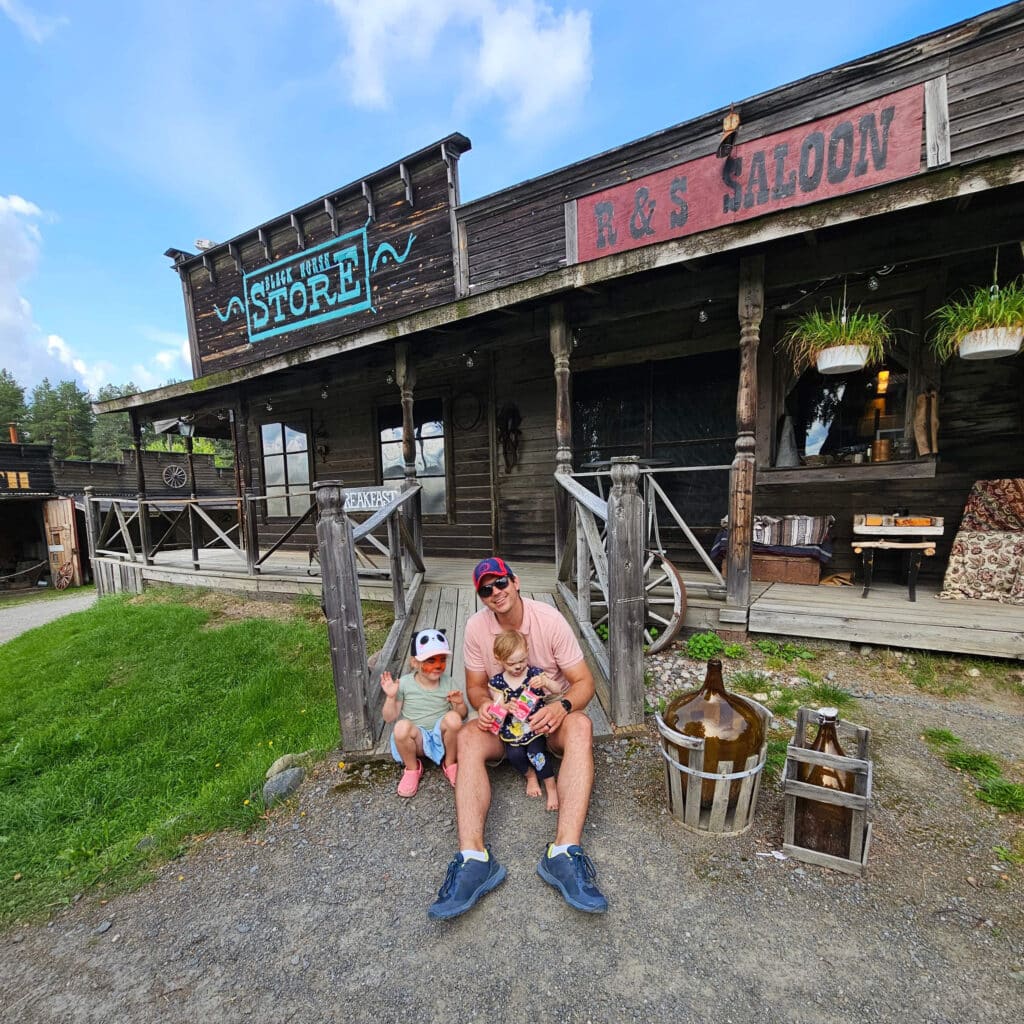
(884,618)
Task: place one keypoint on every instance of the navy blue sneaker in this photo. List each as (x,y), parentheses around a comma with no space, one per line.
(573,874)
(465,883)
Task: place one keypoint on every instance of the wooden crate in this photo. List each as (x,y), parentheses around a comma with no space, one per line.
(683,782)
(785,569)
(855,863)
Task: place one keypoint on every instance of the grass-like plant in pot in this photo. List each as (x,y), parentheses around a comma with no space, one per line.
(838,342)
(984,323)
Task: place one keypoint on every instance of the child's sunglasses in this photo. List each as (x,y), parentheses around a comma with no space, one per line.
(435,661)
(486,589)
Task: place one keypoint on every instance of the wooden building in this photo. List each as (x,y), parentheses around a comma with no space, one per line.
(631,304)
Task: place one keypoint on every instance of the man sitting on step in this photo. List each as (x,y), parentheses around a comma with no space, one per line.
(552,646)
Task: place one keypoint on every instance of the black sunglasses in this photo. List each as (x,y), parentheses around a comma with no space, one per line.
(501,582)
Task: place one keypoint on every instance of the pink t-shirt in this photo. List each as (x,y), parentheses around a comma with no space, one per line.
(550,642)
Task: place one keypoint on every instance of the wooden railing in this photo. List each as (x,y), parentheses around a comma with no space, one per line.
(357,686)
(616,578)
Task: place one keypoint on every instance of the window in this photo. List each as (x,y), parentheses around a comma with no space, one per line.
(286,467)
(431,472)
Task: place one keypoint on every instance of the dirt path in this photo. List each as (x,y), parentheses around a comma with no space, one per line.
(19,618)
(320,916)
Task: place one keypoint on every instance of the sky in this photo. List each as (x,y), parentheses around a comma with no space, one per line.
(131,127)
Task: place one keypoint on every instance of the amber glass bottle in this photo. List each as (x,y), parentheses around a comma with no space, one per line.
(729,724)
(819,826)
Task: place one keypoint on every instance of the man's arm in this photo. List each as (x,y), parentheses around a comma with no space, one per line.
(477,692)
(581,685)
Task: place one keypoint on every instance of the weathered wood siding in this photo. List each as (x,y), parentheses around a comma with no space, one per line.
(403,261)
(118,478)
(25,469)
(520,233)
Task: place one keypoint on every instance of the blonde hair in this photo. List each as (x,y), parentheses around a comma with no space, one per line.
(506,644)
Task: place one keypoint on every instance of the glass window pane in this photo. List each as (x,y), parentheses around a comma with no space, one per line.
(298,472)
(276,506)
(433,496)
(430,457)
(300,503)
(273,471)
(391,459)
(295,439)
(273,441)
(435,428)
(391,434)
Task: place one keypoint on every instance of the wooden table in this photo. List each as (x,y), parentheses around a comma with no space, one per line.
(916,542)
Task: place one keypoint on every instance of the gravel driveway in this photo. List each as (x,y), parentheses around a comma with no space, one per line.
(20,618)
(320,915)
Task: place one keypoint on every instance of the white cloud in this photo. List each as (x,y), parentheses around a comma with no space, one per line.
(37,28)
(518,53)
(28,352)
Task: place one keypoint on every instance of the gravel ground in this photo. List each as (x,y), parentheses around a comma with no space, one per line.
(320,914)
(19,618)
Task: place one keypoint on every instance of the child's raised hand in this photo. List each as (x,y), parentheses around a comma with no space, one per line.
(389,684)
(455,697)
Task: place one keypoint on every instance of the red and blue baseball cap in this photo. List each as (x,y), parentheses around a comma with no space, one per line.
(490,567)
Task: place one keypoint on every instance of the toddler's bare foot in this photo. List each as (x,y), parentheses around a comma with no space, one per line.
(552,791)
(532,785)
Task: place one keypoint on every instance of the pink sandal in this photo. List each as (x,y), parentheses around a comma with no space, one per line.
(410,780)
(450,772)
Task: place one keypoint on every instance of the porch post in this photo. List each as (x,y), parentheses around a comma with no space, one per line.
(560,349)
(192,495)
(344,617)
(405,377)
(626,592)
(249,519)
(741,477)
(91,534)
(140,487)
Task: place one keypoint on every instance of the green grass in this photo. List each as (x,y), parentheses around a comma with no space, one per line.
(1002,794)
(151,719)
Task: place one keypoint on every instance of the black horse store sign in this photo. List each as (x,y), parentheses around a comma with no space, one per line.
(859,148)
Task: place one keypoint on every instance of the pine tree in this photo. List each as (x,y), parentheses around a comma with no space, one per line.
(12,403)
(112,433)
(62,415)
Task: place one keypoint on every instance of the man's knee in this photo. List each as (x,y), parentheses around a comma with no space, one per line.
(579,729)
(473,743)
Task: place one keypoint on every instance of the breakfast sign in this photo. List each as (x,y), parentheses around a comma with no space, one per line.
(858,148)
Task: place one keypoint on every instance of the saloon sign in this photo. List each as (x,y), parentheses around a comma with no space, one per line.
(859,148)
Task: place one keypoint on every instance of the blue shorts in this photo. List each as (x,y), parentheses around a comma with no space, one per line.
(433,745)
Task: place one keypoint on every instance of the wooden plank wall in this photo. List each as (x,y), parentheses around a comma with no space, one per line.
(118,478)
(520,233)
(33,459)
(524,375)
(346,423)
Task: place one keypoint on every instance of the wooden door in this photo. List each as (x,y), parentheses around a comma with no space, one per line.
(62,542)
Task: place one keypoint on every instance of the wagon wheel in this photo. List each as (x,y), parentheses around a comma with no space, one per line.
(175,476)
(62,578)
(664,602)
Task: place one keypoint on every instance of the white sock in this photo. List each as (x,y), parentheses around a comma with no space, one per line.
(554,851)
(474,855)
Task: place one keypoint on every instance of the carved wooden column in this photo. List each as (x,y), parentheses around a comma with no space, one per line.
(249,522)
(741,477)
(405,378)
(560,350)
(140,488)
(344,614)
(192,495)
(626,592)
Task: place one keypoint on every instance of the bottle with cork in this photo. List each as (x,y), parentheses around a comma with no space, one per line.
(822,826)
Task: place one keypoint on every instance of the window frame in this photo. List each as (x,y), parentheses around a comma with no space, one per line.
(444,397)
(287,418)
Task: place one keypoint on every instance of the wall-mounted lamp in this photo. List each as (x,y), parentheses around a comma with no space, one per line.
(389,378)
(323,392)
(221,415)
(470,358)
(873,283)
(270,405)
(882,384)
(702,315)
(322,450)
(577,337)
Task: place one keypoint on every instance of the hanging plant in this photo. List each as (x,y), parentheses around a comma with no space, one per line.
(984,323)
(861,339)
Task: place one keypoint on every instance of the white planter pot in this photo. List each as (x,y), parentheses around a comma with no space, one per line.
(842,359)
(991,343)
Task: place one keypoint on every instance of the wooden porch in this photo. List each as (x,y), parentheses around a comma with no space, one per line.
(884,618)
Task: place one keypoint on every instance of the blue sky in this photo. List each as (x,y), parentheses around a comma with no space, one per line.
(130,127)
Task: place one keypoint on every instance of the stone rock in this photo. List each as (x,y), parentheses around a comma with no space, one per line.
(282,785)
(286,761)
(102,927)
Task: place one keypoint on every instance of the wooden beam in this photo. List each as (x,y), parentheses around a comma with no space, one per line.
(371,213)
(300,234)
(561,349)
(332,212)
(936,121)
(210,268)
(403,173)
(264,237)
(235,256)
